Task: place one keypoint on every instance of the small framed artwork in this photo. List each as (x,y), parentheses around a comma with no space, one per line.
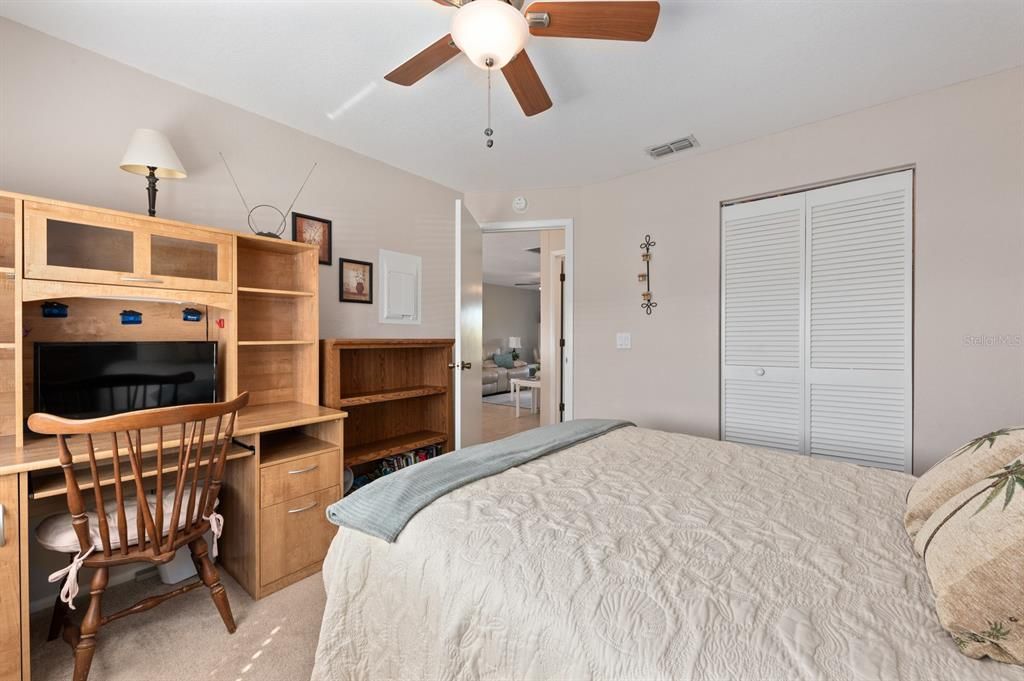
(313,231)
(356,284)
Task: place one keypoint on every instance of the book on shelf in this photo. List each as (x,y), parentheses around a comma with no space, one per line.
(391,464)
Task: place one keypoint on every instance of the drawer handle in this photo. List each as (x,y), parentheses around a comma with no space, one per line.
(143,280)
(304,508)
(3,526)
(304,470)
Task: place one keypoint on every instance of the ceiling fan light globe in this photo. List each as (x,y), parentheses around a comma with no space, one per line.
(490,31)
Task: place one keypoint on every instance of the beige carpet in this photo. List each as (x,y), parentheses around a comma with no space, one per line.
(185,639)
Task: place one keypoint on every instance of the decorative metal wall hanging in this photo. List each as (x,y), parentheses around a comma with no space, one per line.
(645,277)
(279,230)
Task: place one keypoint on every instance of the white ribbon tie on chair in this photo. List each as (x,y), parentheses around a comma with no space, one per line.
(216,526)
(70,588)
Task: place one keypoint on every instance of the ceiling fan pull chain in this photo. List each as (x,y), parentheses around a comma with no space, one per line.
(489,132)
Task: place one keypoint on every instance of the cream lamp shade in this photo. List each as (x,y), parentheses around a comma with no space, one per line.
(150,149)
(490,32)
(515,343)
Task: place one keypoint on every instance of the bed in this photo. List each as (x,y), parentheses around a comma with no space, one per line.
(645,555)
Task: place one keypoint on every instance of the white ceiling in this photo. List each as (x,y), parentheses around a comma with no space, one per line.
(724,71)
(508,261)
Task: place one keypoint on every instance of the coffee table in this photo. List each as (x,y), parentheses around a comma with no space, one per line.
(531,384)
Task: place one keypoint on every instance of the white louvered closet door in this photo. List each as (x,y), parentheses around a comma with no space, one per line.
(817,322)
(762,309)
(859,321)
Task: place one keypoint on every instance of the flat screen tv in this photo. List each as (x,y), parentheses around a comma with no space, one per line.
(88,380)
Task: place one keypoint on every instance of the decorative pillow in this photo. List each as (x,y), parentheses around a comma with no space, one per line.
(518,364)
(489,364)
(504,360)
(973,548)
(974,461)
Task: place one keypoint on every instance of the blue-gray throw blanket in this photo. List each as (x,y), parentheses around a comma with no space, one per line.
(382,508)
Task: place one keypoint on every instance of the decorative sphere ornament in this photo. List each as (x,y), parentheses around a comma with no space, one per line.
(490,143)
(488,132)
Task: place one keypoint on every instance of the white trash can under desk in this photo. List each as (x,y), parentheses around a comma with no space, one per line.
(181,566)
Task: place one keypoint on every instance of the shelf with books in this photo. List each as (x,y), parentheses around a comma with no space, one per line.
(378,449)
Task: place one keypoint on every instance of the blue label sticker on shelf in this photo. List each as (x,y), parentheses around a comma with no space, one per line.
(55,310)
(131,317)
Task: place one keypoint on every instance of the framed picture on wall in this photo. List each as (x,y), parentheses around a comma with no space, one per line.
(313,231)
(356,283)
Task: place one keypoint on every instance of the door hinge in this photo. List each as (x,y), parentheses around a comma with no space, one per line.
(561,276)
(561,342)
(561,406)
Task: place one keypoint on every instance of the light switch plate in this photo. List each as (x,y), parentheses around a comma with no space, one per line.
(623,341)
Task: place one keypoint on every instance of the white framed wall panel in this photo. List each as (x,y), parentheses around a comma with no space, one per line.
(401,289)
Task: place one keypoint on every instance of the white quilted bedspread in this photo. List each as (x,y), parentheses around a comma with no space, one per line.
(646,555)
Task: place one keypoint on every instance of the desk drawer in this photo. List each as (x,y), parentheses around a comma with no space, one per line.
(295,534)
(292,479)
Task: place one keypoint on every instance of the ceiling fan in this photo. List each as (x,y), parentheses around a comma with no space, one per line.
(494,33)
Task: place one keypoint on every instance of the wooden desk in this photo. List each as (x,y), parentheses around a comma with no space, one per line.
(288,455)
(258,300)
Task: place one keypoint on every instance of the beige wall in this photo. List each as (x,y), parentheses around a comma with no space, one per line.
(511,311)
(967,143)
(65,118)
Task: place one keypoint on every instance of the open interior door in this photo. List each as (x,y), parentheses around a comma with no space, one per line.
(469,319)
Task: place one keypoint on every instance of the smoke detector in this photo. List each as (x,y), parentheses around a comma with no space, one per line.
(662,150)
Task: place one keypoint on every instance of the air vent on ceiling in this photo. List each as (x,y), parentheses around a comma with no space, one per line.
(662,150)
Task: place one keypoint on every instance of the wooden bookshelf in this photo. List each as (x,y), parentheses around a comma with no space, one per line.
(398,394)
(274,292)
(372,397)
(10,322)
(277,321)
(275,342)
(378,449)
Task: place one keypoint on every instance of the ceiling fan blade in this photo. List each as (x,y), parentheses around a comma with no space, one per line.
(633,20)
(424,62)
(526,85)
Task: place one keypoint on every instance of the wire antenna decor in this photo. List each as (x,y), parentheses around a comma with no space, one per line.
(276,234)
(645,277)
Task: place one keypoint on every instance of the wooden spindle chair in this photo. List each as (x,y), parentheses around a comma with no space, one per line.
(194,437)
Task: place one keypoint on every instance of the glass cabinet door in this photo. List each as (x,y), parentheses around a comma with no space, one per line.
(79,245)
(65,244)
(88,247)
(190,258)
